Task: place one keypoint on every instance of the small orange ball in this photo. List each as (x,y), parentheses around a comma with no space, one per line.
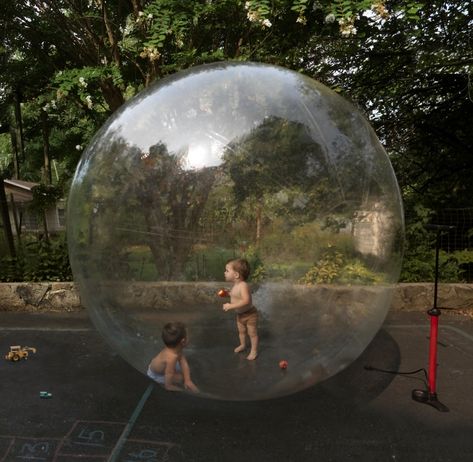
(223,293)
(283,364)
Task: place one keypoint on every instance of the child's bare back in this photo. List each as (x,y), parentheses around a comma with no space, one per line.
(169,367)
(167,358)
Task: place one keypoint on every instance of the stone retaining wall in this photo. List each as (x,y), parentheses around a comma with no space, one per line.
(39,296)
(63,296)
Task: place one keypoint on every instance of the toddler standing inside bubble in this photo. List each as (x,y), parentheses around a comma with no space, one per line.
(237,272)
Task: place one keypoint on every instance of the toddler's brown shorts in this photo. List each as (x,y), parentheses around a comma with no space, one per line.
(248,318)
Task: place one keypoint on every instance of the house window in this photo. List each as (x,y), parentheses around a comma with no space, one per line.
(61,217)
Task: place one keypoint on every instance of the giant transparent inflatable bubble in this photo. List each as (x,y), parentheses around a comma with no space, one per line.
(238,160)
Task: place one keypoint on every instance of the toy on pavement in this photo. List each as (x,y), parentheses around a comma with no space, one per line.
(18,352)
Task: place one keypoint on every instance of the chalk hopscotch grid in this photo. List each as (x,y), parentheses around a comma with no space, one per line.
(20,448)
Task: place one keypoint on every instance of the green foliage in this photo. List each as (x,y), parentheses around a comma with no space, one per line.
(449,268)
(290,270)
(45,196)
(47,261)
(272,154)
(5,151)
(412,9)
(334,267)
(70,128)
(11,270)
(463,257)
(38,260)
(355,272)
(326,270)
(419,258)
(84,84)
(207,264)
(166,19)
(300,7)
(257,266)
(417,269)
(344,9)
(463,260)
(138,264)
(302,242)
(78,63)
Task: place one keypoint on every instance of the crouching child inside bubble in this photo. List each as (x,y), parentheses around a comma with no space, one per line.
(170,367)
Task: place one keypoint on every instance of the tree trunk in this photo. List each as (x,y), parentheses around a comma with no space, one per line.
(16,163)
(259,213)
(173,222)
(45,226)
(136,6)
(47,164)
(111,36)
(112,94)
(19,126)
(6,219)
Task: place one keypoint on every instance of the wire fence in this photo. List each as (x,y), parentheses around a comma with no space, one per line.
(456,238)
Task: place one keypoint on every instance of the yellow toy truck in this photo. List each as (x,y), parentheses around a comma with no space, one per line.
(18,352)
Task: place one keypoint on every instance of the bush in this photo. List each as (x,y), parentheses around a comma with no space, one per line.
(302,243)
(356,272)
(38,260)
(207,264)
(292,271)
(140,264)
(333,267)
(419,257)
(326,270)
(258,270)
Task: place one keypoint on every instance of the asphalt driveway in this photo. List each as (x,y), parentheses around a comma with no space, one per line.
(101,409)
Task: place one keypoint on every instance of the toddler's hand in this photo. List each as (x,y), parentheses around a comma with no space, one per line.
(226,306)
(191,387)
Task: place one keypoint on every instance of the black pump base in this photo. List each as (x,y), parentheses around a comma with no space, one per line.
(423,396)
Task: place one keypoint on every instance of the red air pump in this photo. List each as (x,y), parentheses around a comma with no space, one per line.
(429,396)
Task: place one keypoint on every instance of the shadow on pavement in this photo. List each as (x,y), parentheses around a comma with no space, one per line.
(356,385)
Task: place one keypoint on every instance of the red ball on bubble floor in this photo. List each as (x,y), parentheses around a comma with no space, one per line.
(283,364)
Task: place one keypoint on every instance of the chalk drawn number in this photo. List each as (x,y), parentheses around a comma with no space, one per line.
(91,437)
(147,455)
(34,451)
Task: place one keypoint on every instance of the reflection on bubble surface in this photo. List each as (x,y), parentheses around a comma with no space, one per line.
(228,160)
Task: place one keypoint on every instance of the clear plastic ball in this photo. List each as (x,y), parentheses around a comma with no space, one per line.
(235,160)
